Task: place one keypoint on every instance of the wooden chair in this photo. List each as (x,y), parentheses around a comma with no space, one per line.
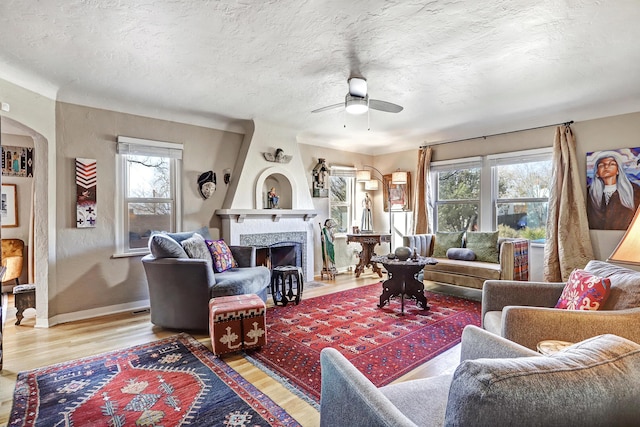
(12,259)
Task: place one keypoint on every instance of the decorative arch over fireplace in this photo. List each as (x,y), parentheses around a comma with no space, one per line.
(284,183)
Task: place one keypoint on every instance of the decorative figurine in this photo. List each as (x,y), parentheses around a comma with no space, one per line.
(367,219)
(277,157)
(273,198)
(320,188)
(328,252)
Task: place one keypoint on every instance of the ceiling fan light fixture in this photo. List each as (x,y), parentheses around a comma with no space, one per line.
(356,105)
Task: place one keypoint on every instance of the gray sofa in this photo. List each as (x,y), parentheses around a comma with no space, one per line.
(498,383)
(513,265)
(180,287)
(523,311)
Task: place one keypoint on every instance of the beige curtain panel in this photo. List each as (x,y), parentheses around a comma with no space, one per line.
(420,205)
(568,244)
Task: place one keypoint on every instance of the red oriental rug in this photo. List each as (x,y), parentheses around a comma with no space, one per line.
(171,382)
(378,341)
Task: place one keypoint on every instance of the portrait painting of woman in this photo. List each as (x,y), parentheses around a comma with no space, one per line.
(613,190)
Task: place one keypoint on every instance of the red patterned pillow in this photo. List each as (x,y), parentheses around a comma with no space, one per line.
(222,257)
(584,291)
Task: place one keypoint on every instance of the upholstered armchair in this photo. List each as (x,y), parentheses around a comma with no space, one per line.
(523,311)
(498,383)
(180,287)
(12,259)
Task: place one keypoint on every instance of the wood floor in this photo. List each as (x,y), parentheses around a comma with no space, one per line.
(26,347)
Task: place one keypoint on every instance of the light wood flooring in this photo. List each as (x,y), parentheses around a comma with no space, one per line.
(26,347)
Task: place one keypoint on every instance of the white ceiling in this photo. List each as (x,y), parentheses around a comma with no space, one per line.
(460,68)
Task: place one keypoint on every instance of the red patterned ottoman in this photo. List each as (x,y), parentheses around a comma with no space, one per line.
(237,323)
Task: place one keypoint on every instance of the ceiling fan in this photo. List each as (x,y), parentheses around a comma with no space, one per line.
(357,100)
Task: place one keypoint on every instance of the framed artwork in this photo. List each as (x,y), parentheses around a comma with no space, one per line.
(86,193)
(613,188)
(17,161)
(9,211)
(400,194)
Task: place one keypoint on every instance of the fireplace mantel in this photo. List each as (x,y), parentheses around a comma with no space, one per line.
(239,215)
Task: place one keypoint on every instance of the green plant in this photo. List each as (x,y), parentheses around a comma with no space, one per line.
(533,233)
(506,231)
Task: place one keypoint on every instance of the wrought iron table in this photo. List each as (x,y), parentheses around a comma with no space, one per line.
(402,280)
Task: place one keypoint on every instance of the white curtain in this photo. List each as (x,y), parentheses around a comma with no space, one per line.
(568,244)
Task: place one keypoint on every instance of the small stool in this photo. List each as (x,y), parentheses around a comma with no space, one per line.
(237,323)
(279,276)
(24,296)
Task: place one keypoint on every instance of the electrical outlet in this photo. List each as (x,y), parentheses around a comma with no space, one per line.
(6,107)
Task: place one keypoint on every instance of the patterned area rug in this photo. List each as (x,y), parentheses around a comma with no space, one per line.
(382,344)
(172,382)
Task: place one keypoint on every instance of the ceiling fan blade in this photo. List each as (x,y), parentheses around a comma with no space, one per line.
(388,107)
(328,107)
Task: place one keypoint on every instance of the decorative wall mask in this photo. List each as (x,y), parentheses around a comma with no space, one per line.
(278,156)
(207,184)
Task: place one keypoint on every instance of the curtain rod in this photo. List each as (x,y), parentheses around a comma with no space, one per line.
(496,134)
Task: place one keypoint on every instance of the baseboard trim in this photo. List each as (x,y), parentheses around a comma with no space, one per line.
(98,312)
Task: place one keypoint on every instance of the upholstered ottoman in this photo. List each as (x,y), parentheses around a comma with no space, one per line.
(237,323)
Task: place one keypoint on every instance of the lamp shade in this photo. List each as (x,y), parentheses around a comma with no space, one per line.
(399,177)
(363,176)
(628,250)
(371,185)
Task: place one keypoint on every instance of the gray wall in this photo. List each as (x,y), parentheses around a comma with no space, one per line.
(89,277)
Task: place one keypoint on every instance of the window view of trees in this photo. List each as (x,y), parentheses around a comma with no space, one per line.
(523,191)
(518,199)
(458,199)
(340,201)
(149,197)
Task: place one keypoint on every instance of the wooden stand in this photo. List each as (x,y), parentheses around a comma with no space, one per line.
(368,243)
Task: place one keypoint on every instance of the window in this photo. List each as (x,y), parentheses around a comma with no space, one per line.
(457,190)
(149,192)
(341,197)
(508,192)
(522,195)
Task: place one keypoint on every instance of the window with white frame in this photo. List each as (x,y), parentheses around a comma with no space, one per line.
(457,194)
(508,192)
(149,191)
(341,197)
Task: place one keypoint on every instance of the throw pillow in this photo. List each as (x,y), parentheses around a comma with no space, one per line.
(179,237)
(163,246)
(625,284)
(485,245)
(196,247)
(445,241)
(584,291)
(461,254)
(222,257)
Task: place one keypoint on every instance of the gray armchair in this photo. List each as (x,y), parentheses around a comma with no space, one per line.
(180,287)
(523,311)
(498,383)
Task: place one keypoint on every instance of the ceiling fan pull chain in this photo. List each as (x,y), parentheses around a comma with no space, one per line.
(368,119)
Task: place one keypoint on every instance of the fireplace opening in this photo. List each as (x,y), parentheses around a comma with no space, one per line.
(279,254)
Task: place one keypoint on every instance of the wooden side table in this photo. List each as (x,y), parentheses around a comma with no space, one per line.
(24,297)
(368,242)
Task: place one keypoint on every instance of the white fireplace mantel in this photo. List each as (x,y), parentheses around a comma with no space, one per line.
(239,215)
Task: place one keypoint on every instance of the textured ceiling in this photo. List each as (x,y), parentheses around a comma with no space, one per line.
(459,68)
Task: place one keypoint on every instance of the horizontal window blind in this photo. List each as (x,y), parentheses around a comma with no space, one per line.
(147,147)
